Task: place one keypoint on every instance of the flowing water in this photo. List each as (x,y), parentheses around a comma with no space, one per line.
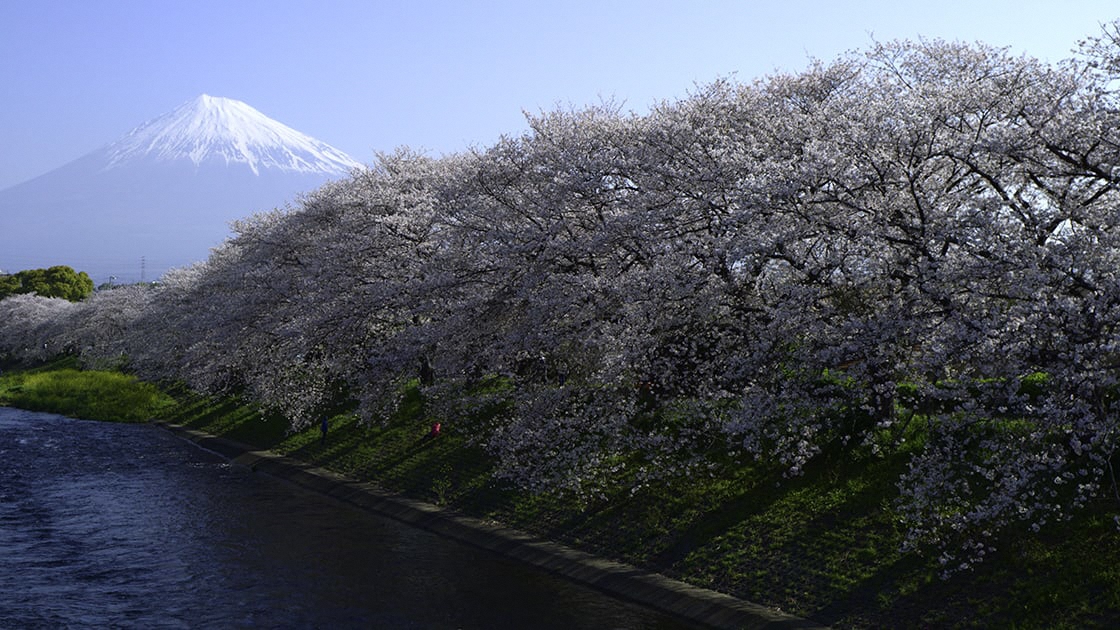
(127,526)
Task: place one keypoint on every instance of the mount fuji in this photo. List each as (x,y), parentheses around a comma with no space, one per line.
(164,194)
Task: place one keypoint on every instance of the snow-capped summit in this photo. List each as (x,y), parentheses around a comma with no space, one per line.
(164,194)
(211,128)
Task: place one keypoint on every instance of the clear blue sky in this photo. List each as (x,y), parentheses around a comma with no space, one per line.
(437,75)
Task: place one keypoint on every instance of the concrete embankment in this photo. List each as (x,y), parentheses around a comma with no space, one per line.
(656,591)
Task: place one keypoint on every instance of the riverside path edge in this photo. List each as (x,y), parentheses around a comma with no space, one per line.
(693,603)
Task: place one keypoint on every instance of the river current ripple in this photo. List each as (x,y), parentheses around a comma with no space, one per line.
(127,526)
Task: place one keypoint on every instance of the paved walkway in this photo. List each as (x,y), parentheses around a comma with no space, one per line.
(689,602)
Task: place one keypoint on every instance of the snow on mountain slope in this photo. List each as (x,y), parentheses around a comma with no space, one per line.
(163,195)
(211,128)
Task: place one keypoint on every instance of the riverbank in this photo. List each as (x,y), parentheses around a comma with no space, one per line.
(61,387)
(824,546)
(688,602)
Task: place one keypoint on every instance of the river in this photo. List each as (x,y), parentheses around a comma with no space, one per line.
(127,526)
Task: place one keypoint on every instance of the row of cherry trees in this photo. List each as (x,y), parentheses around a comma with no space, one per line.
(910,250)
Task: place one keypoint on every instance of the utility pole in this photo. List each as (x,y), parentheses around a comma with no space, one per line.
(142,264)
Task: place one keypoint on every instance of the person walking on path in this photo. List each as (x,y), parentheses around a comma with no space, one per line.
(323,429)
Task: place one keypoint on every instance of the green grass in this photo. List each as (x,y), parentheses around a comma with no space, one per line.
(395,454)
(94,395)
(824,545)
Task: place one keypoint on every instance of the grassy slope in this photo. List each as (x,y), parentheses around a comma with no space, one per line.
(96,395)
(824,545)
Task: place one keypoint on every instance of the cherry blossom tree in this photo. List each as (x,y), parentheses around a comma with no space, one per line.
(910,250)
(30,326)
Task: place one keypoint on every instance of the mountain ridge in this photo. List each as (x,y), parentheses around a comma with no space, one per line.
(163,195)
(210,128)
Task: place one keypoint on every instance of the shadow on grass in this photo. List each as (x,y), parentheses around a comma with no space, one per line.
(824,545)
